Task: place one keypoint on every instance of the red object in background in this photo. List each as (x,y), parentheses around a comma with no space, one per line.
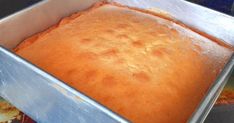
(26,119)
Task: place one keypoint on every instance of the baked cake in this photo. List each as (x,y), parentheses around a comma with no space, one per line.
(144,67)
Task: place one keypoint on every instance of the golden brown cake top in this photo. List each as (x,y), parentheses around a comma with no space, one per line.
(144,67)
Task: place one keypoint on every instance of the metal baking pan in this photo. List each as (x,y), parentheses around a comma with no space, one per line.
(15,28)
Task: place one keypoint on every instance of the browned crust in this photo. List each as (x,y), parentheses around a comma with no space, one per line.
(65,20)
(166,17)
(34,38)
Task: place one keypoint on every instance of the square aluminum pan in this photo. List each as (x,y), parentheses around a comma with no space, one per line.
(15,28)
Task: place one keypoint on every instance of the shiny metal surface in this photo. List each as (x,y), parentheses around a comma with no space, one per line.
(203,19)
(34,19)
(213,93)
(46,99)
(206,20)
(49,12)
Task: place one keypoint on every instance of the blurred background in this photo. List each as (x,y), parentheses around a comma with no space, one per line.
(225,6)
